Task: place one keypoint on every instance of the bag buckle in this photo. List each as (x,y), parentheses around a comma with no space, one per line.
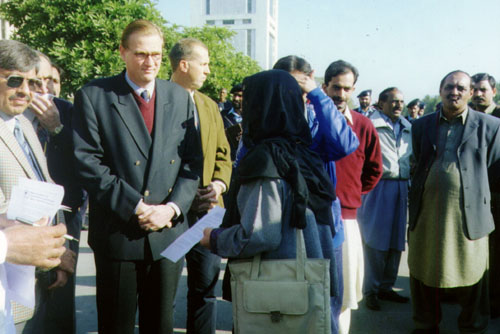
(276,316)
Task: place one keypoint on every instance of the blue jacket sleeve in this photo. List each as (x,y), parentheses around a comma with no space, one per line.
(333,139)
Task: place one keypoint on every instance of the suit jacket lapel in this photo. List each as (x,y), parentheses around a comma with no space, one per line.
(11,143)
(131,115)
(204,120)
(471,123)
(432,130)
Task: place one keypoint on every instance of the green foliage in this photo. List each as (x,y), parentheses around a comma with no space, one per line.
(80,36)
(83,38)
(430,103)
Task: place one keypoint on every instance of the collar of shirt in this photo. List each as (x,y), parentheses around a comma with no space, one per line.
(388,120)
(10,121)
(462,116)
(236,116)
(347,115)
(138,90)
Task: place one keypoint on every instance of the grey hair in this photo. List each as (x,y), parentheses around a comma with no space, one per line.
(16,56)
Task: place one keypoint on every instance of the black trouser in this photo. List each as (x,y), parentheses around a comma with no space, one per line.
(203,273)
(124,285)
(474,300)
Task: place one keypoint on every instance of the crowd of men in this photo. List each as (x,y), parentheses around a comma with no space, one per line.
(151,157)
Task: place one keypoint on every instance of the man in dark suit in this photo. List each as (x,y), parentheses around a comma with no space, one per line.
(189,59)
(138,155)
(51,119)
(457,154)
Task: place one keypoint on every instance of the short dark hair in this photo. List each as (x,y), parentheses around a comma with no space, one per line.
(415,102)
(293,63)
(16,56)
(451,73)
(237,88)
(183,50)
(340,67)
(476,78)
(382,97)
(140,26)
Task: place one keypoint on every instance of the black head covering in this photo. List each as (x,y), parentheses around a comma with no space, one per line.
(277,137)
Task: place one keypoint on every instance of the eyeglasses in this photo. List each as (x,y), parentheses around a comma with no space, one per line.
(15,81)
(156,56)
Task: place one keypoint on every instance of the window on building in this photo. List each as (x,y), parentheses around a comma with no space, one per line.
(251,43)
(247,21)
(229,7)
(271,8)
(250,6)
(211,22)
(227,21)
(271,53)
(207,7)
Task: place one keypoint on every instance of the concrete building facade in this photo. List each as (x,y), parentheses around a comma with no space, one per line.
(254,21)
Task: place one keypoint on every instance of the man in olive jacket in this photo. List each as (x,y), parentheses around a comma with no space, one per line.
(190,62)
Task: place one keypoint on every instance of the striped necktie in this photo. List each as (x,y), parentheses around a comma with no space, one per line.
(18,133)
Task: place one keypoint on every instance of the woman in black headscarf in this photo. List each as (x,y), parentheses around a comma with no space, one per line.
(281,184)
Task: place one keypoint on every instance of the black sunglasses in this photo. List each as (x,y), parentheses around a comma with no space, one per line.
(15,81)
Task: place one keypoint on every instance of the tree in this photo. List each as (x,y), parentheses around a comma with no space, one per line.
(83,38)
(430,103)
(80,36)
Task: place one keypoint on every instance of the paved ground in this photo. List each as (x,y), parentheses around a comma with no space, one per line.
(393,319)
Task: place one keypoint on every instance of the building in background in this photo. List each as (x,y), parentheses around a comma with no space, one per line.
(5,28)
(254,21)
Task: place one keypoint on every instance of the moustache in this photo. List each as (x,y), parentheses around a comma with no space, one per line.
(20,95)
(337,99)
(478,99)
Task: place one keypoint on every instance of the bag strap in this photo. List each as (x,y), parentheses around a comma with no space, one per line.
(301,255)
(300,259)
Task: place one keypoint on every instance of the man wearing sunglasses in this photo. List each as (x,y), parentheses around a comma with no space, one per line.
(138,154)
(21,154)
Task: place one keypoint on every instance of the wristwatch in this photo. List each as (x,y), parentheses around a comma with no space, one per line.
(57,130)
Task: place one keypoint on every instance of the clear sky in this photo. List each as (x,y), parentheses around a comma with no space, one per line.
(410,44)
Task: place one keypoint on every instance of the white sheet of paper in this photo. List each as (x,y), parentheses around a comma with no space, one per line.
(32,200)
(191,237)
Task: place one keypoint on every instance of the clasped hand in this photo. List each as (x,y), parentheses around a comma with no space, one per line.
(206,198)
(155,217)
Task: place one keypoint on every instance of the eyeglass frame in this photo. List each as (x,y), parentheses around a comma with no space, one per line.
(32,82)
(144,55)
